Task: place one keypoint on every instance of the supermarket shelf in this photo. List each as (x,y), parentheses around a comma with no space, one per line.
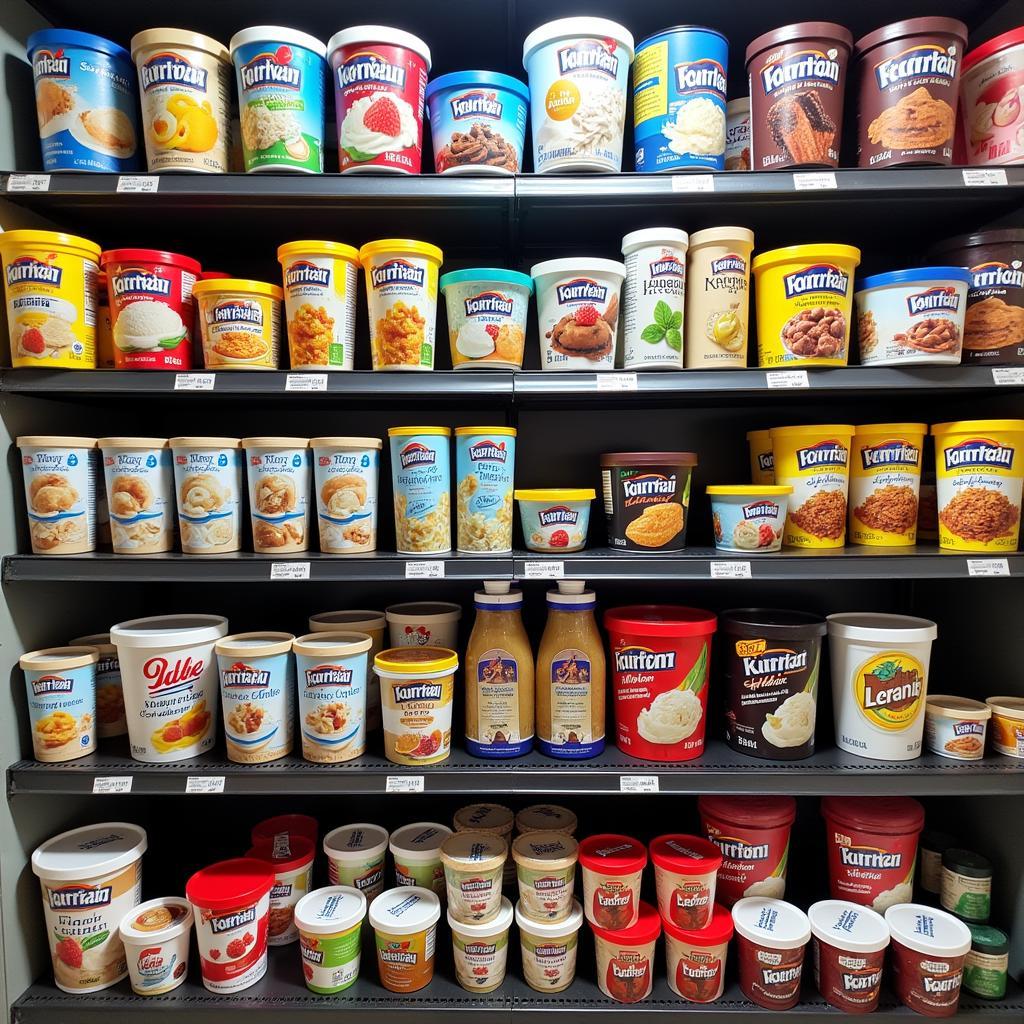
(720,769)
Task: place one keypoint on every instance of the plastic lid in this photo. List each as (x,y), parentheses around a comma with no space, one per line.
(370,34)
(400,247)
(911,27)
(549,847)
(648,458)
(759,435)
(740,105)
(927,930)
(966,862)
(275,442)
(665,620)
(254,645)
(346,442)
(286,824)
(572,595)
(328,644)
(415,661)
(471,79)
(555,494)
(587,28)
(922,275)
(936,841)
(472,851)
(312,247)
(54,440)
(975,426)
(814,252)
(101,641)
(169,630)
(484,818)
(52,38)
(300,851)
(277,34)
(839,429)
(352,619)
(754,811)
(230,884)
(1009,707)
(205,442)
(434,612)
(865,429)
(1002,42)
(356,842)
(498,595)
(998,236)
(422,837)
(485,929)
(716,932)
(646,928)
(412,431)
(848,926)
(550,929)
(405,911)
(229,285)
(485,275)
(799,32)
(132,442)
(502,431)
(89,852)
(779,621)
(985,938)
(578,265)
(612,854)
(881,628)
(749,490)
(157,921)
(772,923)
(887,815)
(687,855)
(53,659)
(654,236)
(957,707)
(742,237)
(331,910)
(30,237)
(546,818)
(174,37)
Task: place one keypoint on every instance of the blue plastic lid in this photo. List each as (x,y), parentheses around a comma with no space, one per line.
(57,37)
(487,275)
(467,79)
(920,275)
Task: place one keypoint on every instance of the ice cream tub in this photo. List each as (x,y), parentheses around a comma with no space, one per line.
(404,923)
(695,958)
(355,857)
(660,657)
(555,519)
(685,868)
(474,864)
(546,818)
(416,688)
(612,867)
(50,287)
(872,848)
(965,888)
(771,937)
(992,101)
(647,499)
(804,304)
(330,921)
(481,950)
(494,819)
(477,122)
(185,87)
(679,85)
(208,482)
(955,727)
(753,835)
(421,478)
(109,698)
(772,663)
(278,473)
(487,317)
(424,624)
(848,943)
(280,74)
(60,493)
(578,311)
(625,958)
(762,460)
(156,937)
(549,949)
(484,472)
(985,969)
(61,687)
(737,134)
(279,829)
(169,677)
(929,948)
(85,102)
(90,879)
(140,493)
(546,871)
(416,851)
(748,517)
(380,81)
(240,323)
(293,875)
(345,478)
(654,298)
(1007,725)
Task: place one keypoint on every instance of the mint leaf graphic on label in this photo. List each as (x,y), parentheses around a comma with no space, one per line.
(674,339)
(665,327)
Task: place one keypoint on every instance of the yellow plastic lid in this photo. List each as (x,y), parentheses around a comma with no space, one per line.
(133,442)
(556,494)
(890,428)
(503,431)
(843,429)
(314,248)
(826,251)
(975,426)
(172,37)
(749,489)
(753,435)
(400,247)
(51,239)
(415,661)
(410,431)
(54,441)
(227,285)
(275,442)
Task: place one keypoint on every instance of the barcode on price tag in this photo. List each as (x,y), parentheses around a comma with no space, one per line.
(814,181)
(638,783)
(1008,374)
(693,183)
(984,176)
(194,381)
(138,183)
(289,570)
(404,784)
(787,379)
(730,570)
(616,382)
(305,382)
(112,784)
(543,570)
(204,784)
(28,183)
(988,567)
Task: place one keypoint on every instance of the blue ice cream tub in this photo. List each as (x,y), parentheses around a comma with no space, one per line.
(679,84)
(61,687)
(477,122)
(86,102)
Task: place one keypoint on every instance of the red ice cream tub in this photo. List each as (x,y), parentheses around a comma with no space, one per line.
(695,957)
(660,658)
(684,875)
(612,868)
(625,958)
(848,943)
(152,312)
(771,936)
(278,829)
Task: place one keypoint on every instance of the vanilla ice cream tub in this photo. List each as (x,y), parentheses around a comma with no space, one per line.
(546,870)
(473,866)
(156,937)
(208,483)
(140,493)
(60,492)
(278,472)
(654,298)
(345,474)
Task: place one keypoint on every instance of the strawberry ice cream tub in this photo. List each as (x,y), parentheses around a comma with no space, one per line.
(380,81)
(231,903)
(660,656)
(992,100)
(695,957)
(684,874)
(625,958)
(612,868)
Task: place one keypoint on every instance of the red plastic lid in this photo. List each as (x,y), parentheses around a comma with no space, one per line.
(289,824)
(689,855)
(1003,42)
(756,811)
(890,815)
(301,851)
(718,930)
(646,929)
(612,855)
(661,620)
(150,256)
(239,882)
(214,275)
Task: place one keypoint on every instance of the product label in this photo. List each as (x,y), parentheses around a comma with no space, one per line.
(546,893)
(256,694)
(884,485)
(346,498)
(233,946)
(278,488)
(139,488)
(208,483)
(330,963)
(647,506)
(417,719)
(753,862)
(320,312)
(890,690)
(480,963)
(421,474)
(572,730)
(654,298)
(484,468)
(874,870)
(497,720)
(332,706)
(819,475)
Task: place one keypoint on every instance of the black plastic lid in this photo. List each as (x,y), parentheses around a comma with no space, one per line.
(997,237)
(940,842)
(986,939)
(778,621)
(966,862)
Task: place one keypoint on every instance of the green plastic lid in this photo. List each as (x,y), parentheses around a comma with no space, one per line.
(986,939)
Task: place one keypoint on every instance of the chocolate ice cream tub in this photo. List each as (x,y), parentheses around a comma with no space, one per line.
(647,499)
(797,79)
(994,327)
(909,76)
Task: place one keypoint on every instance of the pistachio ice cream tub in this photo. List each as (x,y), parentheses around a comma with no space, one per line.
(330,923)
(355,857)
(416,851)
(278,472)
(546,871)
(208,484)
(473,867)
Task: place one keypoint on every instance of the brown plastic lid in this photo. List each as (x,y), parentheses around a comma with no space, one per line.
(798,31)
(649,458)
(1013,236)
(911,27)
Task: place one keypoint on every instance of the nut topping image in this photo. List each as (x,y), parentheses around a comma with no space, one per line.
(586,332)
(815,332)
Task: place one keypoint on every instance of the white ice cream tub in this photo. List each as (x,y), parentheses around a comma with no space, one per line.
(654,298)
(156,937)
(424,624)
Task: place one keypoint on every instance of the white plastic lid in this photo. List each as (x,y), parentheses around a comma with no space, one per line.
(586,28)
(848,926)
(571,592)
(577,265)
(328,911)
(740,105)
(89,852)
(405,910)
(957,707)
(276,34)
(769,922)
(420,841)
(485,929)
(169,630)
(356,842)
(881,628)
(379,34)
(654,236)
(470,851)
(179,907)
(550,929)
(927,930)
(499,592)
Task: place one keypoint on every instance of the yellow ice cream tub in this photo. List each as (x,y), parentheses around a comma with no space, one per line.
(240,323)
(885,482)
(50,287)
(804,301)
(762,468)
(815,462)
(979,476)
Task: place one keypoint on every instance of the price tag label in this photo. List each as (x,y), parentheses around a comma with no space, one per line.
(138,183)
(543,570)
(693,183)
(784,379)
(730,570)
(289,570)
(404,784)
(28,183)
(424,570)
(814,181)
(112,784)
(984,176)
(305,382)
(988,567)
(616,382)
(204,784)
(1008,374)
(194,381)
(638,783)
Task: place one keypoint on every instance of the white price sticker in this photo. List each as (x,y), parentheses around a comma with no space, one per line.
(424,570)
(543,570)
(984,176)
(638,783)
(988,567)
(289,570)
(693,183)
(112,784)
(305,382)
(1008,374)
(784,379)
(404,784)
(28,183)
(204,784)
(194,381)
(138,183)
(814,181)
(730,570)
(616,382)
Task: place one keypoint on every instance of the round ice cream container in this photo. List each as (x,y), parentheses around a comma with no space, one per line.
(140,493)
(737,134)
(546,871)
(985,969)
(60,475)
(416,851)
(404,922)
(555,519)
(685,868)
(277,469)
(771,936)
(345,474)
(474,864)
(279,829)
(355,857)
(477,122)
(612,868)
(654,298)
(73,867)
(330,921)
(208,483)
(424,624)
(748,517)
(848,943)
(484,471)
(548,950)
(372,624)
(679,85)
(416,688)
(1007,725)
(695,958)
(546,818)
(293,874)
(240,323)
(965,888)
(991,104)
(481,950)
(625,958)
(762,462)
(61,688)
(493,819)
(156,937)
(487,317)
(110,719)
(647,499)
(421,480)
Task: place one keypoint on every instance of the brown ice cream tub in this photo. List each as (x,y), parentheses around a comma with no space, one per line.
(797,79)
(909,78)
(994,327)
